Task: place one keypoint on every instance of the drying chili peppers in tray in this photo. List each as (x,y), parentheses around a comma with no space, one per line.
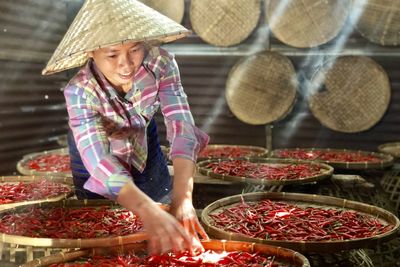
(53,162)
(70,223)
(303,222)
(338,158)
(265,171)
(231,151)
(218,253)
(16,189)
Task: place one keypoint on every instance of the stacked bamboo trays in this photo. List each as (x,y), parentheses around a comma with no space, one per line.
(283,255)
(385,160)
(392,149)
(9,251)
(310,200)
(213,151)
(33,247)
(325,172)
(23,168)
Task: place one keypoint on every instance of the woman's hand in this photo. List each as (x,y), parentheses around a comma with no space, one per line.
(186,214)
(165,233)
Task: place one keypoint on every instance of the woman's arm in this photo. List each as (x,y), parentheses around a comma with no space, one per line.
(181,206)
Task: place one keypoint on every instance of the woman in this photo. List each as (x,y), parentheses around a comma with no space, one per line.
(111,102)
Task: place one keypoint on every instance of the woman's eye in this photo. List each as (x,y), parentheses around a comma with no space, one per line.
(111,56)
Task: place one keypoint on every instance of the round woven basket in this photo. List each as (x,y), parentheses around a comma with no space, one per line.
(261,88)
(32,179)
(325,172)
(392,148)
(23,168)
(224,22)
(352,95)
(378,20)
(304,200)
(282,255)
(384,160)
(173,9)
(70,243)
(306,23)
(216,151)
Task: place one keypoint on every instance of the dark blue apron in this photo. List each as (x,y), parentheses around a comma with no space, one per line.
(155,180)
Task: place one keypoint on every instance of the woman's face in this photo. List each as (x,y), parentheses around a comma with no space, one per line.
(119,63)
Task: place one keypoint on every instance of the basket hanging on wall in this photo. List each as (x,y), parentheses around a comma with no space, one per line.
(261,88)
(173,9)
(224,22)
(350,94)
(306,23)
(378,20)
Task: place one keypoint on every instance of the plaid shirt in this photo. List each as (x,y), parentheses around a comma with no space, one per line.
(110,130)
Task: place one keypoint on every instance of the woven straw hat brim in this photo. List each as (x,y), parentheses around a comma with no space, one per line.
(306,23)
(173,9)
(224,22)
(356,94)
(101,23)
(261,88)
(379,20)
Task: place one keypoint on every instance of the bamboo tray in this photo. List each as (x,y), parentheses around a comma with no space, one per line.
(23,169)
(392,149)
(310,200)
(32,179)
(250,151)
(286,256)
(326,171)
(385,160)
(71,243)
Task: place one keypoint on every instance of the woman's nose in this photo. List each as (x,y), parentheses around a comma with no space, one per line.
(125,61)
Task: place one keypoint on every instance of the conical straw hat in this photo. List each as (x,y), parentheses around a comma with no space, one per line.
(101,23)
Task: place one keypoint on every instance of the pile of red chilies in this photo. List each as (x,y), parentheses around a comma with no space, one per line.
(227,152)
(50,163)
(242,168)
(282,221)
(333,156)
(10,193)
(84,222)
(179,259)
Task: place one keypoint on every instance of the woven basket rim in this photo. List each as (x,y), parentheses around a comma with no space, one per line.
(25,171)
(69,242)
(287,255)
(262,151)
(383,148)
(387,160)
(325,173)
(305,246)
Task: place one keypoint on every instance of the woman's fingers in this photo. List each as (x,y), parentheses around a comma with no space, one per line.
(201,231)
